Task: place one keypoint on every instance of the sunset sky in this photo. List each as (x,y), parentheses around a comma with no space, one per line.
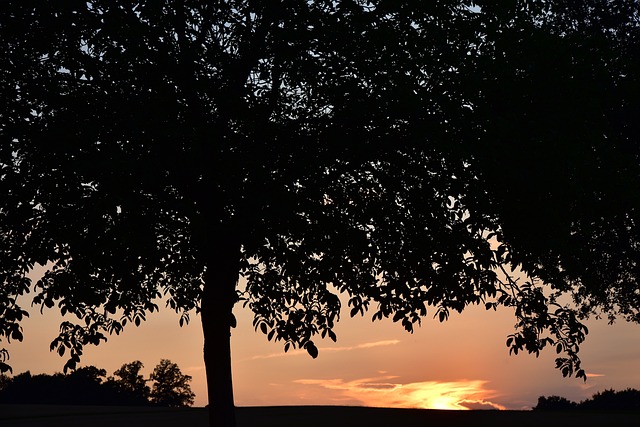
(460,364)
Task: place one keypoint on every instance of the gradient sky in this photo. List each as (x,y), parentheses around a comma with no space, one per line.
(460,364)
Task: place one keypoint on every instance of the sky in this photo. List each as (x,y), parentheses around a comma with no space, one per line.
(462,363)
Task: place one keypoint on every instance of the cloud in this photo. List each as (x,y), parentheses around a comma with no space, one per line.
(385,392)
(483,405)
(326,349)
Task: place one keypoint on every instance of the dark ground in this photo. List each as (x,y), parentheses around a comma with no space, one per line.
(307,416)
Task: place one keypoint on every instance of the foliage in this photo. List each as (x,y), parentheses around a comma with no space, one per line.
(4,381)
(170,386)
(85,386)
(88,385)
(608,400)
(554,403)
(416,157)
(624,400)
(129,381)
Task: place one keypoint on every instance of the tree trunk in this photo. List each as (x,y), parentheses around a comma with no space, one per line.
(217,303)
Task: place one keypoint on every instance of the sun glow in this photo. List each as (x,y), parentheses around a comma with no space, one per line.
(385,392)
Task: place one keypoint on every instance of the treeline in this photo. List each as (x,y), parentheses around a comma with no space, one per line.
(90,385)
(608,400)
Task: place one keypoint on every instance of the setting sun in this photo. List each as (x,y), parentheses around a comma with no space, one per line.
(387,391)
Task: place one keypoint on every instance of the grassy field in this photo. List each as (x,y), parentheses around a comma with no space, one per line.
(307,416)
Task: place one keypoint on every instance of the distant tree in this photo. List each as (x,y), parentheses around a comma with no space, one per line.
(88,374)
(554,403)
(129,379)
(84,386)
(608,400)
(624,400)
(4,381)
(412,156)
(170,386)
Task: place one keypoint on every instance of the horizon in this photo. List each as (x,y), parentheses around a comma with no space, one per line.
(460,364)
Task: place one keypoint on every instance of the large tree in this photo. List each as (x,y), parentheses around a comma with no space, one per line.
(411,155)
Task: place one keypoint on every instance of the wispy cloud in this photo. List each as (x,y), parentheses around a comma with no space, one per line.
(326,349)
(386,391)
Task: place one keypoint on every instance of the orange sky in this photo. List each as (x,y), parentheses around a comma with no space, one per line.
(462,363)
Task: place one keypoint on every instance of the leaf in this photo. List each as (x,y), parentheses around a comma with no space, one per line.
(16,335)
(312,349)
(263,328)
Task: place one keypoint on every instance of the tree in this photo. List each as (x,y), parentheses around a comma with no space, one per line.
(608,400)
(554,403)
(611,400)
(170,386)
(129,379)
(414,156)
(83,386)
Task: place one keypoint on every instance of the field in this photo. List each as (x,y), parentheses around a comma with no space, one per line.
(307,416)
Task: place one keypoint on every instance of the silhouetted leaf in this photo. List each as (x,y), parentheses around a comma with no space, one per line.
(311,349)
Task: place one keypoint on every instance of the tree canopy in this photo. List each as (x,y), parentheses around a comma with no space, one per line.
(170,386)
(608,400)
(415,156)
(129,379)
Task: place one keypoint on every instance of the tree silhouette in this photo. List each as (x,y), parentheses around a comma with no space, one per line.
(84,386)
(129,380)
(611,400)
(608,400)
(413,156)
(170,386)
(554,403)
